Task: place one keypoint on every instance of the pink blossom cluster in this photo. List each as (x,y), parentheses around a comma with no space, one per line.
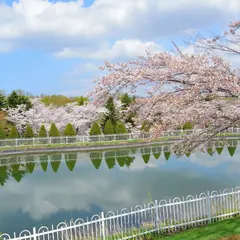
(200,88)
(81,117)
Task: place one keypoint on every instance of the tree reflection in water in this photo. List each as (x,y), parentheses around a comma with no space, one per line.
(19,166)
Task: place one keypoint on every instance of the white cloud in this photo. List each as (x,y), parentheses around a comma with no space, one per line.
(187,49)
(64,27)
(121,48)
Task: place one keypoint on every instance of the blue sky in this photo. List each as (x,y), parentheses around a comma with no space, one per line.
(55,47)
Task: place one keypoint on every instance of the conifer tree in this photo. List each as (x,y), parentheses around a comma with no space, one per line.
(69,130)
(3,101)
(15,99)
(108,129)
(42,132)
(14,133)
(110,114)
(95,129)
(54,131)
(28,132)
(126,100)
(120,128)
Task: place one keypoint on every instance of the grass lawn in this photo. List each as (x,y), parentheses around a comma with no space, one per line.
(159,140)
(224,230)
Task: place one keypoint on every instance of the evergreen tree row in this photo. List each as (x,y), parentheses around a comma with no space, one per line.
(53,132)
(108,124)
(108,128)
(69,131)
(110,121)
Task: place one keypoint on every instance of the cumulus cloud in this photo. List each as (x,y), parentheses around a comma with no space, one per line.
(41,196)
(69,29)
(121,48)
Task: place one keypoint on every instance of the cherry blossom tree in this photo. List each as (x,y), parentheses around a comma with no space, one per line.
(199,88)
(81,117)
(228,42)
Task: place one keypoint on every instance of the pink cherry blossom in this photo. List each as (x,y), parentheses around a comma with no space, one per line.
(200,88)
(80,116)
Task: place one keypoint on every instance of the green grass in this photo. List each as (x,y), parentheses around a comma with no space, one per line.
(214,231)
(93,144)
(221,230)
(56,100)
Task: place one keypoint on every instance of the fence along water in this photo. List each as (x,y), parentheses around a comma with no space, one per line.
(68,140)
(158,216)
(98,138)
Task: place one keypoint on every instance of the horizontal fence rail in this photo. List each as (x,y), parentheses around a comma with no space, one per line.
(69,140)
(176,134)
(155,217)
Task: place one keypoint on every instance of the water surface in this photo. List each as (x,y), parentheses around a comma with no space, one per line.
(47,189)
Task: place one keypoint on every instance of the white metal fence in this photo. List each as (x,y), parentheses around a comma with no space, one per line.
(98,138)
(68,140)
(155,217)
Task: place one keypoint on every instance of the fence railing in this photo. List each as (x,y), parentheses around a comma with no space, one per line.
(97,138)
(157,216)
(69,140)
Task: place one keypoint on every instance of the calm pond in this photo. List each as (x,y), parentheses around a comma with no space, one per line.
(42,190)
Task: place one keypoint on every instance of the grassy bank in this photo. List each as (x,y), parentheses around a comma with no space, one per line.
(112,143)
(224,230)
(85,145)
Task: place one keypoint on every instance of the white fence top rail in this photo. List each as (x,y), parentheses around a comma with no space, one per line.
(110,137)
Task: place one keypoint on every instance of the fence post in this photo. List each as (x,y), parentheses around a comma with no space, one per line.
(156,216)
(16,142)
(33,142)
(66,139)
(50,140)
(34,234)
(209,206)
(103,226)
(238,200)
